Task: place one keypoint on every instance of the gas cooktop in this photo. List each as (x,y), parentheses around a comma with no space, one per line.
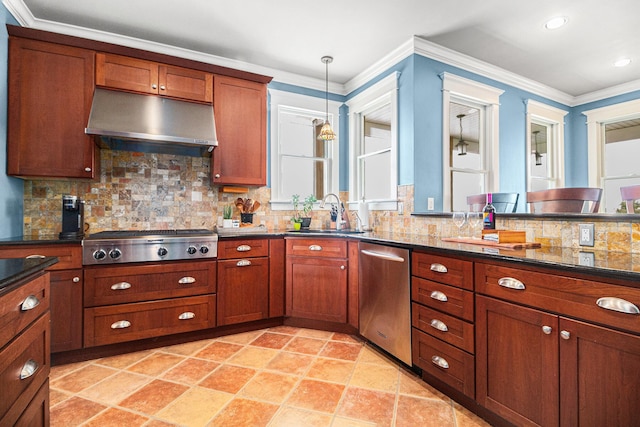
(128,234)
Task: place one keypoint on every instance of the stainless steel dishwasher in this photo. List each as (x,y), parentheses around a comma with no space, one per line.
(385,304)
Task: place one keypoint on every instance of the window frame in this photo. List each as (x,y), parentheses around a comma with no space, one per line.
(382,93)
(460,90)
(282,101)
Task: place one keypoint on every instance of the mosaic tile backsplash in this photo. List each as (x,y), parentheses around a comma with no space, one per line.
(158,191)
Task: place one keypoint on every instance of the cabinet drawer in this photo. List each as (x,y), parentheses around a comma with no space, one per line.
(27,357)
(450,271)
(448,299)
(36,414)
(447,328)
(19,309)
(444,361)
(560,294)
(324,248)
(244,248)
(115,285)
(127,322)
(69,256)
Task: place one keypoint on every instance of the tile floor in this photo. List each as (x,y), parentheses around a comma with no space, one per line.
(281,376)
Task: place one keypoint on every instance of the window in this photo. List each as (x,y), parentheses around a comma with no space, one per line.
(470,140)
(373,145)
(613,135)
(545,145)
(300,162)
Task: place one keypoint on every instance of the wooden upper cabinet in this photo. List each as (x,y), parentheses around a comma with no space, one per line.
(50,93)
(137,75)
(240,108)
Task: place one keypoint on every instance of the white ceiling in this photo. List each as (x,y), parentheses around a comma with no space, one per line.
(291,36)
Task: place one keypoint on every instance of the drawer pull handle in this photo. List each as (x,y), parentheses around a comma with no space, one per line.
(438,268)
(511,283)
(34,256)
(28,369)
(618,304)
(440,361)
(565,335)
(439,296)
(243,263)
(120,324)
(439,325)
(547,330)
(187,315)
(186,280)
(120,286)
(29,303)
(315,248)
(243,248)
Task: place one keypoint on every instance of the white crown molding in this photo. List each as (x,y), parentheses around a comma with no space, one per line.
(607,93)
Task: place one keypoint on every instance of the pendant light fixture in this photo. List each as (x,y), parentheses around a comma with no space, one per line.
(536,153)
(461,145)
(326,133)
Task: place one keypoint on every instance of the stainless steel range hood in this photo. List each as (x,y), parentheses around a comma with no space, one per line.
(148,123)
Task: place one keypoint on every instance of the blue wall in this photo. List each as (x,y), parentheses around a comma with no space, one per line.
(11,189)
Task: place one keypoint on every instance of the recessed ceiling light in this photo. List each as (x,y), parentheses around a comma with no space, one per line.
(622,62)
(556,22)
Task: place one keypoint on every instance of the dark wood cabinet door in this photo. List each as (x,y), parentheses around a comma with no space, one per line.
(316,288)
(125,73)
(178,82)
(241,124)
(517,362)
(276,277)
(600,376)
(66,310)
(50,93)
(243,290)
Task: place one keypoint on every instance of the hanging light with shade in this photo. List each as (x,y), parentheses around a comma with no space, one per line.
(536,153)
(461,145)
(327,133)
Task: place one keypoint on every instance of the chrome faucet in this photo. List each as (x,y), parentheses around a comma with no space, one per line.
(343,222)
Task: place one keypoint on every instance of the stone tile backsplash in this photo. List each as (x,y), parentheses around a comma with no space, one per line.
(159,191)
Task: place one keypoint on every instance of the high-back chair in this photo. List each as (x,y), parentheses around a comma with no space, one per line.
(503,202)
(629,195)
(565,200)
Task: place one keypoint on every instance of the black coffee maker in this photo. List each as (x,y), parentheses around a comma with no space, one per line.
(72,218)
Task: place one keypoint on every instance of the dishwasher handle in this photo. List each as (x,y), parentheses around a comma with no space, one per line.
(387,257)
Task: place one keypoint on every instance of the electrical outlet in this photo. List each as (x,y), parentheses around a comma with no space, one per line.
(588,259)
(400,208)
(586,234)
(430,203)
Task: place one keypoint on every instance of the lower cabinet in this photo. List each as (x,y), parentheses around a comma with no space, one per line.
(540,369)
(316,279)
(243,288)
(66,310)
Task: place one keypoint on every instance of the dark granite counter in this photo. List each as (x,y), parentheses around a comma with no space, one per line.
(36,240)
(13,270)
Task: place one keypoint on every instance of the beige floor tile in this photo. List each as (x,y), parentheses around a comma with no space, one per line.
(191,371)
(114,417)
(377,377)
(242,339)
(62,370)
(153,397)
(466,418)
(294,417)
(341,350)
(270,387)
(314,333)
(195,408)
(411,384)
(368,405)
(253,357)
(188,348)
(316,395)
(121,361)
(346,422)
(57,396)
(337,371)
(290,363)
(289,330)
(156,364)
(73,412)
(373,356)
(345,337)
(413,411)
(115,388)
(82,378)
(305,345)
(245,413)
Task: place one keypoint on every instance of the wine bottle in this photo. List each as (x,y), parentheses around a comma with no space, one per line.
(489,215)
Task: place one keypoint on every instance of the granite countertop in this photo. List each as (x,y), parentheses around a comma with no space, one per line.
(13,270)
(606,264)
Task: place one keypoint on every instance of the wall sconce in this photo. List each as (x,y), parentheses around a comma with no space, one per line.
(461,145)
(536,153)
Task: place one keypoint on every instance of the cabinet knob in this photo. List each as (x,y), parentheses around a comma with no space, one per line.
(162,87)
(440,361)
(439,296)
(29,303)
(547,329)
(438,268)
(154,86)
(217,175)
(565,335)
(28,369)
(342,267)
(76,279)
(87,169)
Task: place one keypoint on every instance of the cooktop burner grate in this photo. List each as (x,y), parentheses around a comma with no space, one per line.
(123,234)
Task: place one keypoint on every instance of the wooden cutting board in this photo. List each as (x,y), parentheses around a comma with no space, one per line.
(522,245)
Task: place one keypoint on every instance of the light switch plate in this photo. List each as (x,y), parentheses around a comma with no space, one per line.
(585,237)
(430,203)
